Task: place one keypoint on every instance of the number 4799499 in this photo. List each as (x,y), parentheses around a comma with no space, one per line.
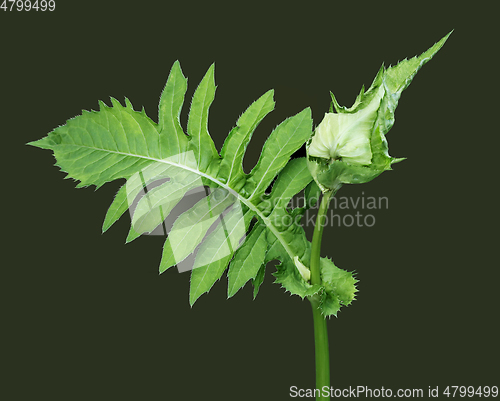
(28,5)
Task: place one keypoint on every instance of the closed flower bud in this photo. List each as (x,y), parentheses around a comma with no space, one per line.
(346,137)
(349,146)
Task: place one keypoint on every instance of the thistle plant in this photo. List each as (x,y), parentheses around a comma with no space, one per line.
(243,221)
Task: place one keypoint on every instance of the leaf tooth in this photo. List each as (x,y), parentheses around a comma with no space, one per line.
(337,106)
(115,102)
(128,104)
(102,106)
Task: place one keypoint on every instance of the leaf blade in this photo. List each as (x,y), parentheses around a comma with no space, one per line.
(214,255)
(285,140)
(94,148)
(248,259)
(291,180)
(119,142)
(190,227)
(173,140)
(339,287)
(233,150)
(200,141)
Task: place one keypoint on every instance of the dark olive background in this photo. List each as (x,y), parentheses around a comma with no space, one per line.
(85,316)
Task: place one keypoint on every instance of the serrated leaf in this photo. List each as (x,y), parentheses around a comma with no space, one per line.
(329,303)
(215,253)
(289,277)
(258,280)
(287,273)
(200,141)
(247,260)
(294,177)
(339,287)
(190,227)
(133,187)
(398,78)
(233,150)
(287,138)
(156,204)
(173,140)
(119,142)
(293,250)
(118,207)
(99,147)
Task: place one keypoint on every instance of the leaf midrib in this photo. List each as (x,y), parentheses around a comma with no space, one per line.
(244,200)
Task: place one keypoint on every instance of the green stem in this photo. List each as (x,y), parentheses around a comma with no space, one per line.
(322,353)
(316,240)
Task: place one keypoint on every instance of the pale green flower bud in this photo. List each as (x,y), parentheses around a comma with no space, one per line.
(349,146)
(346,137)
(345,144)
